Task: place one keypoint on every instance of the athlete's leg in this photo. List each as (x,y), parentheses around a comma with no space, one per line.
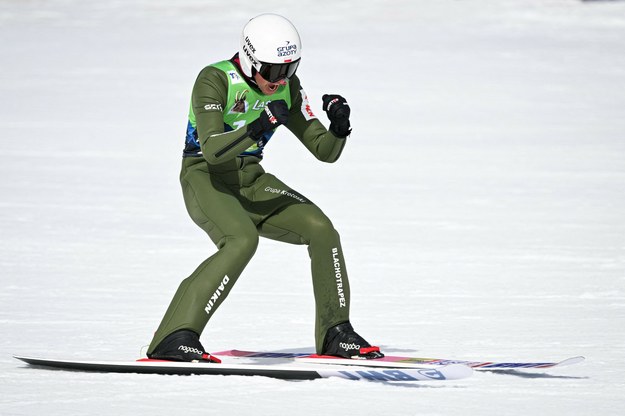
(214,208)
(299,221)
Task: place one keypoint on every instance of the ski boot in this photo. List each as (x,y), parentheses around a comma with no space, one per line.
(182,345)
(342,341)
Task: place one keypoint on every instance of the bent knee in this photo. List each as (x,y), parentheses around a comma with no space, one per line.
(244,244)
(319,227)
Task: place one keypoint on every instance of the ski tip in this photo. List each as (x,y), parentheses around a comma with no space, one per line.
(571,361)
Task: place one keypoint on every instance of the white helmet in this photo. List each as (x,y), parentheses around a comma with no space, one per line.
(270,45)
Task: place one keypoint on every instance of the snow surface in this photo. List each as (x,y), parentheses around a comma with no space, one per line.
(480,201)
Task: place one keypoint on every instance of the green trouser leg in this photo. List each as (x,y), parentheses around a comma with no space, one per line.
(306,224)
(234,215)
(214,208)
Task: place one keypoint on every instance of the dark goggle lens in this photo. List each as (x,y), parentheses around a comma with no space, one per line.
(276,72)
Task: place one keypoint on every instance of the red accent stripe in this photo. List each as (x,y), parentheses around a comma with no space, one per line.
(480,364)
(211,358)
(367,350)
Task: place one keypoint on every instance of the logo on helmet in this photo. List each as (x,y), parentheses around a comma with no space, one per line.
(287,50)
(249,50)
(249,43)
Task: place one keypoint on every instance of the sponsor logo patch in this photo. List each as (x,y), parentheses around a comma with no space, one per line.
(348,347)
(213,107)
(213,299)
(250,50)
(186,349)
(286,50)
(240,105)
(235,78)
(289,193)
(306,110)
(338,277)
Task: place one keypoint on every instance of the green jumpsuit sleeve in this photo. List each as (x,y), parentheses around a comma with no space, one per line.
(318,140)
(208,100)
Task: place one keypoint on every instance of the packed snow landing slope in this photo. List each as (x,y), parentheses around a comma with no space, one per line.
(479,200)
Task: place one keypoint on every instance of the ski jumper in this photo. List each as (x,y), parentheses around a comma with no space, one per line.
(229,195)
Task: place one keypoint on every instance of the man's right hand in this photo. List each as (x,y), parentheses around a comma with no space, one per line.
(276,113)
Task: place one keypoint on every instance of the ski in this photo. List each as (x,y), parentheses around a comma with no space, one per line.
(400,361)
(279,370)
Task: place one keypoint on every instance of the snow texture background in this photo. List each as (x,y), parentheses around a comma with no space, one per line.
(480,201)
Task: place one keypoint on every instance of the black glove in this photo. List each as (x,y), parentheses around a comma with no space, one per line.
(338,112)
(276,113)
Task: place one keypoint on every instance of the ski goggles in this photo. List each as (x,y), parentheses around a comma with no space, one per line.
(277,72)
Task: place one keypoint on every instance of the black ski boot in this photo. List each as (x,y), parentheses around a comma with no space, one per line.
(342,341)
(182,345)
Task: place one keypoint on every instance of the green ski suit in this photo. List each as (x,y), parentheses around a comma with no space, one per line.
(229,195)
